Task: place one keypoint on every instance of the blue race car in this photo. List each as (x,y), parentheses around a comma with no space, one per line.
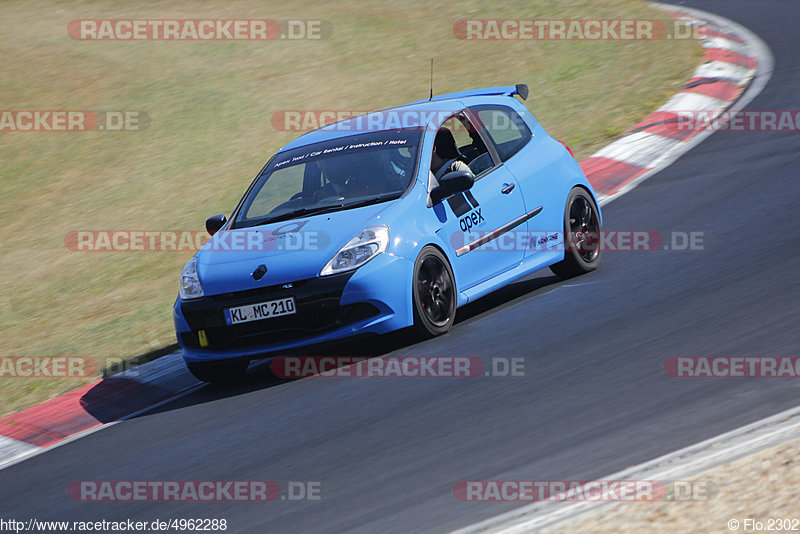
(383,221)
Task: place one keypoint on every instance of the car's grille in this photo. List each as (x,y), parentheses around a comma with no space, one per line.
(266,292)
(316,301)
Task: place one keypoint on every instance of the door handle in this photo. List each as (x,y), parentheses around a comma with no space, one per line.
(507,188)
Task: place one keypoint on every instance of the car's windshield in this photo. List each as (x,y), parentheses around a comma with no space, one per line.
(333,175)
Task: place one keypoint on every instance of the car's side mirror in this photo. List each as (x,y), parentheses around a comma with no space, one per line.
(452,183)
(213,224)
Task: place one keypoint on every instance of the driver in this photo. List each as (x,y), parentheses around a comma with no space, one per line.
(446,157)
(341,179)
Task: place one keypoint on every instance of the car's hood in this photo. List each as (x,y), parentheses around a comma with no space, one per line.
(290,250)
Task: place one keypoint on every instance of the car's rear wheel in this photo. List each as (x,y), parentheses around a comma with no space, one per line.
(581,235)
(434,293)
(218,372)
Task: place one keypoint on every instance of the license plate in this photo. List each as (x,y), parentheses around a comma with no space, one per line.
(262,310)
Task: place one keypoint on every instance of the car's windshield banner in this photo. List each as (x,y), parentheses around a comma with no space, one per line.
(376,141)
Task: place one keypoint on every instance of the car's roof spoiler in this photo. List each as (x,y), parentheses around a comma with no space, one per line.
(520,89)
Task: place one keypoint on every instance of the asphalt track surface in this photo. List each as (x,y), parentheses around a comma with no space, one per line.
(596,399)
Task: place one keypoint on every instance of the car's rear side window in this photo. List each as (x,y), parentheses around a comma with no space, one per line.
(506,128)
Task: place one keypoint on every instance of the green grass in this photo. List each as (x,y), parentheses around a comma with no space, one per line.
(210,105)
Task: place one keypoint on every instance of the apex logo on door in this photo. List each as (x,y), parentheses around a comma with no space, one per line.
(474,218)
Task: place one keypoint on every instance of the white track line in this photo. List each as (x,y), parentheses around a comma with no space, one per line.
(12,449)
(673,466)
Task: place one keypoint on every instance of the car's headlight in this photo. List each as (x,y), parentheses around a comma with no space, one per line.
(369,242)
(190,287)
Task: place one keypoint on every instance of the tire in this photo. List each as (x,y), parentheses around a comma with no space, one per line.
(582,249)
(218,372)
(433,293)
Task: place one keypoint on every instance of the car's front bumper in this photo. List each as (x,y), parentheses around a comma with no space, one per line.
(376,298)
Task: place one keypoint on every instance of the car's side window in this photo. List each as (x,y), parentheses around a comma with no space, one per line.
(470,146)
(508,131)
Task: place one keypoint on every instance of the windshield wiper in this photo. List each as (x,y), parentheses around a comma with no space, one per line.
(371,200)
(300,212)
(329,207)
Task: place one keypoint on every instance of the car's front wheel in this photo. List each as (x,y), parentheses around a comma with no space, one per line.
(434,293)
(219,372)
(581,235)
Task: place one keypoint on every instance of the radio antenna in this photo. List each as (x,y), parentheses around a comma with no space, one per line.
(431,98)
